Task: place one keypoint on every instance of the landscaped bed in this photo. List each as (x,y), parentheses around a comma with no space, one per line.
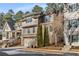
(74,48)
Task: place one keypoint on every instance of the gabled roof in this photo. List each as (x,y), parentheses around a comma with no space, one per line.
(11,24)
(33,15)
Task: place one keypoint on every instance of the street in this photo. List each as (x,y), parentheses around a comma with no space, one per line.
(18,52)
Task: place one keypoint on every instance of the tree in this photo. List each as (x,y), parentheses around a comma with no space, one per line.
(40,40)
(18,15)
(27,12)
(37,8)
(46,36)
(58,28)
(11,11)
(8,15)
(1,20)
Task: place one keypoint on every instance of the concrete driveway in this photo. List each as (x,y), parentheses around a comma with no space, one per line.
(18,52)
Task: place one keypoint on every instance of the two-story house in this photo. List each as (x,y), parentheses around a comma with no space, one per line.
(71,25)
(29,28)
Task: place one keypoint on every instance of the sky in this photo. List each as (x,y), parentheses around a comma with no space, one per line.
(4,7)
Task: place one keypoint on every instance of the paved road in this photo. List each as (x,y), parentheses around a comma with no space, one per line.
(17,52)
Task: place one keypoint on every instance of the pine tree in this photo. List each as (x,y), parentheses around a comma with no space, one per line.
(46,36)
(40,40)
(39,36)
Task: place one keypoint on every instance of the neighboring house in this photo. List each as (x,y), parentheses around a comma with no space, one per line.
(8,31)
(71,25)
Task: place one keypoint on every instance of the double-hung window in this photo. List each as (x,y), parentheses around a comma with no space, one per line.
(29,20)
(47,18)
(33,29)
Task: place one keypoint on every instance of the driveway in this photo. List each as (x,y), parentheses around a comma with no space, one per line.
(18,52)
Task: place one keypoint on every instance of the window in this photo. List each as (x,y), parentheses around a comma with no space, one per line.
(47,18)
(29,20)
(69,25)
(25,31)
(73,7)
(69,38)
(33,29)
(78,22)
(75,38)
(73,23)
(13,34)
(28,30)
(3,34)
(7,35)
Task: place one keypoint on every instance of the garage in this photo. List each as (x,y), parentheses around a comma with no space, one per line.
(30,42)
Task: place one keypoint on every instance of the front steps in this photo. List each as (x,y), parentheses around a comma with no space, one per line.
(66,48)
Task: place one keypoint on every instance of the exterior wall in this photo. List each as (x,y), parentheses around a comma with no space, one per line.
(34,22)
(29,39)
(50,30)
(30,29)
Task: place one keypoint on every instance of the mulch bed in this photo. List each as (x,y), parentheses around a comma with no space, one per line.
(53,47)
(75,49)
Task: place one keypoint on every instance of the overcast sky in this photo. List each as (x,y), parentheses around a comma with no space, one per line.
(4,7)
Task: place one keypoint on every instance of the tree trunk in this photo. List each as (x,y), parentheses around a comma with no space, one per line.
(58,27)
